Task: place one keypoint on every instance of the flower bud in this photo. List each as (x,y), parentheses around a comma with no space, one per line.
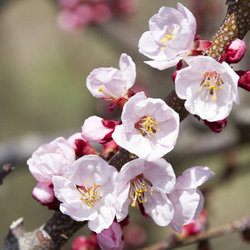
(244,81)
(111,238)
(234,51)
(216,126)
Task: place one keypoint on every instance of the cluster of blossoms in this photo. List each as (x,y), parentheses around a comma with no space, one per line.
(77,14)
(88,186)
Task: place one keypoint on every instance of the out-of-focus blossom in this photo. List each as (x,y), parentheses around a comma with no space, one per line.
(146,183)
(187,200)
(234,52)
(71,19)
(81,146)
(149,127)
(170,37)
(135,235)
(209,88)
(52,159)
(77,14)
(111,238)
(97,129)
(101,12)
(86,192)
(85,243)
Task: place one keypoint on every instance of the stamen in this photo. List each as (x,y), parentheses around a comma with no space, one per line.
(170,36)
(139,189)
(104,90)
(147,126)
(90,195)
(210,84)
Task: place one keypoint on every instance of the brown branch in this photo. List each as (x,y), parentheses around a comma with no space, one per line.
(53,235)
(235,25)
(172,242)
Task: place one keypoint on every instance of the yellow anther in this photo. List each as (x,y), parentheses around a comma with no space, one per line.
(89,195)
(139,188)
(147,126)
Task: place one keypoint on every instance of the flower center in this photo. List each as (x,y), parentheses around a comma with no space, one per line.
(147,126)
(139,189)
(211,84)
(90,195)
(170,36)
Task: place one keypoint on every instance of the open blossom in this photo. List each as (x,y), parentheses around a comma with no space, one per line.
(187,200)
(110,83)
(149,127)
(86,192)
(49,160)
(209,87)
(146,183)
(170,37)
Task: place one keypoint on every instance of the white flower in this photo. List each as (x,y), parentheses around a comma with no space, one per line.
(110,83)
(170,37)
(209,87)
(86,192)
(186,198)
(146,183)
(149,127)
(51,159)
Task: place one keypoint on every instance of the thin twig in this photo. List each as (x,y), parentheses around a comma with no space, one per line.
(173,242)
(6,169)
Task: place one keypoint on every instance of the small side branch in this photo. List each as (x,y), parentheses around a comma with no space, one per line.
(6,169)
(172,242)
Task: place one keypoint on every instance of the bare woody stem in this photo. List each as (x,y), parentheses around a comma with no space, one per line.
(172,242)
(6,169)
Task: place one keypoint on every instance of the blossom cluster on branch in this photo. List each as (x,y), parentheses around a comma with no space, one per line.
(78,14)
(86,185)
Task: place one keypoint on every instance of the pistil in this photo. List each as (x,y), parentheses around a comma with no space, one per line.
(210,85)
(147,126)
(90,195)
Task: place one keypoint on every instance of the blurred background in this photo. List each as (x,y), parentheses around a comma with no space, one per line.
(43,70)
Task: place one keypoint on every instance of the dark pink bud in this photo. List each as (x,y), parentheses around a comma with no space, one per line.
(234,51)
(85,243)
(81,147)
(80,243)
(244,81)
(216,126)
(200,45)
